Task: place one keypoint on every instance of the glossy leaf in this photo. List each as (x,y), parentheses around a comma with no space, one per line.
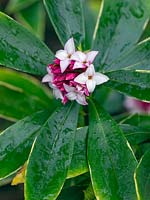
(133,83)
(123,21)
(110,159)
(142,179)
(90,17)
(137,58)
(79,159)
(106,97)
(141,121)
(25,93)
(16,142)
(33,17)
(17,5)
(134,134)
(67,19)
(51,155)
(76,168)
(146,32)
(21,50)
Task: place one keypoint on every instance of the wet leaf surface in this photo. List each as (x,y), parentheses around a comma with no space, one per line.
(132,83)
(21,50)
(51,155)
(110,159)
(16,142)
(119,27)
(134,134)
(142,177)
(22,95)
(137,58)
(67,19)
(79,159)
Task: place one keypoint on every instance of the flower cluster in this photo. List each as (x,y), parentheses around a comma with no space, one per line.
(72,75)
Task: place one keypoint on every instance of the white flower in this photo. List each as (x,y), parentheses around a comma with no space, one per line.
(83,59)
(74,94)
(91,78)
(56,92)
(48,77)
(65,55)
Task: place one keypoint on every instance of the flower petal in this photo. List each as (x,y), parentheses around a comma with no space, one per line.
(79,56)
(57,93)
(64,64)
(90,70)
(100,78)
(47,78)
(70,76)
(81,78)
(49,70)
(61,54)
(71,96)
(91,85)
(91,56)
(78,65)
(81,99)
(51,85)
(69,46)
(68,88)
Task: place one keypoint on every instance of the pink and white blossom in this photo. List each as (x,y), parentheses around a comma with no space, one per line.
(72,75)
(91,78)
(65,55)
(75,94)
(48,77)
(83,60)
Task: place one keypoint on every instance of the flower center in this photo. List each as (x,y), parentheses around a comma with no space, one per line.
(69,55)
(90,77)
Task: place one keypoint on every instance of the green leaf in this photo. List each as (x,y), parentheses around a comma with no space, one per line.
(89,193)
(16,142)
(142,177)
(17,5)
(119,26)
(24,92)
(110,159)
(146,32)
(133,83)
(90,21)
(141,121)
(134,134)
(106,97)
(137,58)
(67,19)
(51,156)
(21,50)
(79,159)
(33,17)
